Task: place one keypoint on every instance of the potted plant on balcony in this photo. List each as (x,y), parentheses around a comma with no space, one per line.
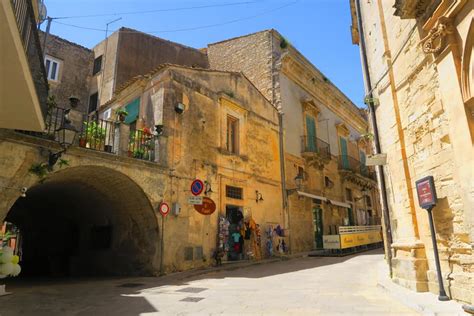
(121,114)
(94,134)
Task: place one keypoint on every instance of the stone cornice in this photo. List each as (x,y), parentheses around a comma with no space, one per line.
(304,74)
(410,9)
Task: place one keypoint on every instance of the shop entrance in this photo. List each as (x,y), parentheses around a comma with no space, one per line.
(318,227)
(235,217)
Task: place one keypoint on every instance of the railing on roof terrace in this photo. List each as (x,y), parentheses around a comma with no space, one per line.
(142,145)
(98,134)
(102,135)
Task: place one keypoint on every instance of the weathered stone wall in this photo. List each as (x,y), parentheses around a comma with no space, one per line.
(424,131)
(194,146)
(250,54)
(74,73)
(132,53)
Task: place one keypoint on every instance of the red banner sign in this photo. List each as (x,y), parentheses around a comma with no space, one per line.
(426,192)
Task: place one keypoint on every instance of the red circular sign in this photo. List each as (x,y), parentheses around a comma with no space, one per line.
(207,207)
(197,187)
(164,208)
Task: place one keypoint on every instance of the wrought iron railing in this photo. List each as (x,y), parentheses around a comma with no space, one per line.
(25,18)
(315,145)
(99,135)
(349,163)
(142,145)
(53,120)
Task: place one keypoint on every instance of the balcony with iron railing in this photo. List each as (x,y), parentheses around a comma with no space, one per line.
(349,163)
(315,146)
(101,135)
(26,23)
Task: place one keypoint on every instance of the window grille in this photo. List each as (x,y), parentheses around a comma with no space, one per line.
(234,192)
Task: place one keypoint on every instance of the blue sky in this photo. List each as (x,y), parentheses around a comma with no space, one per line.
(320,29)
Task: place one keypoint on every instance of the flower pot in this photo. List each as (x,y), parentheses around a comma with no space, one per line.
(82,142)
(122,117)
(108,148)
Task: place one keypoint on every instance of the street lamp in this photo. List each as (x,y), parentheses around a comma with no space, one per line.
(299,183)
(65,136)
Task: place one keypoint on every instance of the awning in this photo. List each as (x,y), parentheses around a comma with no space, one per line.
(322,198)
(342,204)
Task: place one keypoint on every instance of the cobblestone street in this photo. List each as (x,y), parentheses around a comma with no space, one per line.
(302,286)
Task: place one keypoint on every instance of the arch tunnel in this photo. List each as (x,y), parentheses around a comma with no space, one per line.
(86,221)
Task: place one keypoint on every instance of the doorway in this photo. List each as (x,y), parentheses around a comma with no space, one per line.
(318,227)
(236,239)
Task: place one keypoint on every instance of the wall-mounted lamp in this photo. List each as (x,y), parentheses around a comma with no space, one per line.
(74,101)
(65,136)
(207,188)
(159,129)
(299,183)
(179,108)
(258,196)
(22,190)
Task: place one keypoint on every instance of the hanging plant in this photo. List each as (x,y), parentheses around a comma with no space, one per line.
(42,169)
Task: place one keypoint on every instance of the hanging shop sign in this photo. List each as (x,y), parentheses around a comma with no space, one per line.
(196,187)
(195,200)
(376,160)
(207,207)
(164,208)
(426,191)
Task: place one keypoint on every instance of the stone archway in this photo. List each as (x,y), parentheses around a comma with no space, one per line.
(86,220)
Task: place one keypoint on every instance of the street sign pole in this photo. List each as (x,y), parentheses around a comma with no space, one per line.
(427,199)
(442,293)
(162,243)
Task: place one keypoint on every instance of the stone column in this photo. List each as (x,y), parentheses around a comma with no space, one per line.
(122,134)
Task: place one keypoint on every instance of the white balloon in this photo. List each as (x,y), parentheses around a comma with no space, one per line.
(16,269)
(6,268)
(6,254)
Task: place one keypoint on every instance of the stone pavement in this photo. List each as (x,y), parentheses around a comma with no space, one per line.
(302,286)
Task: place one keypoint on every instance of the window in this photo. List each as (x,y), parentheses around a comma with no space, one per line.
(93,99)
(348,194)
(233,192)
(232,134)
(97,65)
(301,173)
(52,68)
(310,133)
(368,201)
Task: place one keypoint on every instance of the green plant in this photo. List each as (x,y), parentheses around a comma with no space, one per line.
(40,169)
(93,131)
(63,163)
(138,153)
(121,111)
(229,93)
(283,43)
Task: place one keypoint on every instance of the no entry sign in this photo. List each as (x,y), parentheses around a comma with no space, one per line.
(164,208)
(196,187)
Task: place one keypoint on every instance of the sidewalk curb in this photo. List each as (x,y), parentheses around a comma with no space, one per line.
(425,303)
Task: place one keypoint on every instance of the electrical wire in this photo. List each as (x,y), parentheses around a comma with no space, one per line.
(190,28)
(154,11)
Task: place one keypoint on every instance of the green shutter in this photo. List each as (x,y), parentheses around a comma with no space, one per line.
(133,109)
(311,133)
(345,158)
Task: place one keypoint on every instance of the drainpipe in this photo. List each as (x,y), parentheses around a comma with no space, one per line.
(373,118)
(284,192)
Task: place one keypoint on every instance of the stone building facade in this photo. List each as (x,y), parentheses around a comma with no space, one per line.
(128,53)
(420,60)
(69,70)
(195,143)
(323,137)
